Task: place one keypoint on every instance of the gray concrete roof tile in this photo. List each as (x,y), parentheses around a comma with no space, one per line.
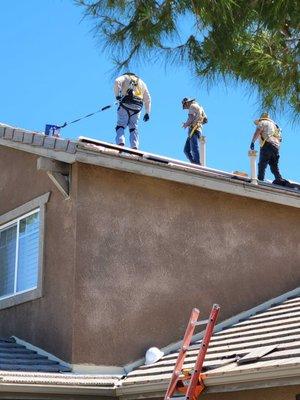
(28,137)
(16,357)
(2,131)
(238,340)
(49,142)
(18,136)
(38,140)
(8,134)
(72,147)
(61,144)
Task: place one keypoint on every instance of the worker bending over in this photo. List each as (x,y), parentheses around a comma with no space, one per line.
(196,118)
(132,93)
(268,133)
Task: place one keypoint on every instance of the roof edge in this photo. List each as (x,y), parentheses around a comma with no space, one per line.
(143,163)
(57,389)
(259,378)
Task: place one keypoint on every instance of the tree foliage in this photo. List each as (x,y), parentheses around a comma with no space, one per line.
(253,41)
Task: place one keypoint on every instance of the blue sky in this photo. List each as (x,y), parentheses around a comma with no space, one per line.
(53,70)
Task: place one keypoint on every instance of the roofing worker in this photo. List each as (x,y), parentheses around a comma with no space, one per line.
(196,119)
(132,93)
(269,135)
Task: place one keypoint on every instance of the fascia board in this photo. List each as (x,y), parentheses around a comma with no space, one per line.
(177,173)
(57,389)
(253,374)
(221,383)
(189,176)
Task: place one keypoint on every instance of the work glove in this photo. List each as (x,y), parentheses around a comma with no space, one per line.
(146,117)
(252,146)
(118,98)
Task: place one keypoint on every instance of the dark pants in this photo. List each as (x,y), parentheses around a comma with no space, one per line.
(269,155)
(191,148)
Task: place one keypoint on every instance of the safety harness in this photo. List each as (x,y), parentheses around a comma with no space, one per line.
(133,99)
(197,126)
(276,133)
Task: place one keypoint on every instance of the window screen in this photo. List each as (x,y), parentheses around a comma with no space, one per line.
(19,254)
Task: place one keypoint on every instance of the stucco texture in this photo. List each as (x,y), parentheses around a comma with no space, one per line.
(44,322)
(128,256)
(149,250)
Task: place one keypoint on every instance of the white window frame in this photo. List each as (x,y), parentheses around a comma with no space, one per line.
(11,218)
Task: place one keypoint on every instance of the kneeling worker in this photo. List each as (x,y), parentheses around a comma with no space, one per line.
(268,133)
(196,119)
(132,93)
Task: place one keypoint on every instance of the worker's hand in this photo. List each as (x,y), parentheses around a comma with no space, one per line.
(146,117)
(118,98)
(252,146)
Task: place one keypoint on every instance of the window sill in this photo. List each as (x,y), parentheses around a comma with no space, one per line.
(19,298)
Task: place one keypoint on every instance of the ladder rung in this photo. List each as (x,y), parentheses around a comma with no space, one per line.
(178,398)
(203,322)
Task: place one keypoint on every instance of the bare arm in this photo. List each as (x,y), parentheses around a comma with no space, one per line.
(190,120)
(256,134)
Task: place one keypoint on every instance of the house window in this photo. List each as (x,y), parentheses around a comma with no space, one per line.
(21,252)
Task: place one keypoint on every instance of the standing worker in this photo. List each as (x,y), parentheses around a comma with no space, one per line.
(269,136)
(196,118)
(132,93)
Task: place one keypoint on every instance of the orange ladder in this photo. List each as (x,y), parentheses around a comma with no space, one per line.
(190,384)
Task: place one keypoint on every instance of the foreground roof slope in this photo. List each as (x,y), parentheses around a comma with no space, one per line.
(274,331)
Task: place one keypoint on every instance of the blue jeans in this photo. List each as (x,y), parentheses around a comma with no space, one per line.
(191,148)
(130,119)
(269,154)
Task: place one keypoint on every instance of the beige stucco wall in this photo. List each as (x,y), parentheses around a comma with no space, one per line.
(146,252)
(45,322)
(149,250)
(280,393)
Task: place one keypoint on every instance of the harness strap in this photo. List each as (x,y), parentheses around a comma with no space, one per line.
(128,110)
(194,130)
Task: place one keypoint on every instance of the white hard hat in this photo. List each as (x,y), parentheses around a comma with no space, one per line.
(152,355)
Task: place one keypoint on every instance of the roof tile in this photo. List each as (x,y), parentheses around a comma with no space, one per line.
(28,137)
(49,142)
(61,144)
(16,357)
(18,136)
(71,147)
(236,341)
(2,131)
(8,133)
(38,139)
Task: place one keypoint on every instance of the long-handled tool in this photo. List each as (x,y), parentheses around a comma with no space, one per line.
(54,130)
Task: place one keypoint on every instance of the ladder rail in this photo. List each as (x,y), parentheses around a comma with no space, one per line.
(182,353)
(194,381)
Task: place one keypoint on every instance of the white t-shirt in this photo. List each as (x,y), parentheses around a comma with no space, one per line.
(268,132)
(196,115)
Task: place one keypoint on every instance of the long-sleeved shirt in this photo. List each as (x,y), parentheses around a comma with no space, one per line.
(124,82)
(195,117)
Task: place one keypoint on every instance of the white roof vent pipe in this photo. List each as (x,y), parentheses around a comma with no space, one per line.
(153,355)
